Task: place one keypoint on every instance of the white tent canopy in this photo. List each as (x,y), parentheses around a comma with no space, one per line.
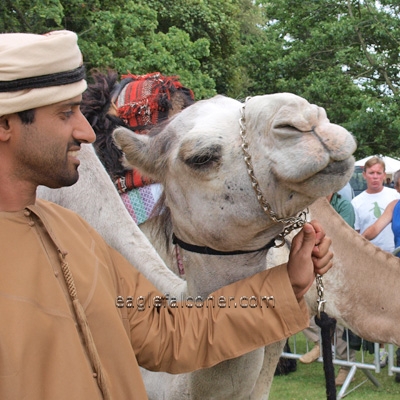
(392,165)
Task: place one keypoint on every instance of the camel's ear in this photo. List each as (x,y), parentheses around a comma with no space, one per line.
(138,151)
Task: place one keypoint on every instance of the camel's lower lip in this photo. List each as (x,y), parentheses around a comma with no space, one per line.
(338,167)
(331,178)
(334,168)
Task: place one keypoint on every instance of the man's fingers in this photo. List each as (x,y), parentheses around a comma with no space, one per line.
(319,232)
(322,264)
(304,239)
(322,247)
(323,270)
(309,255)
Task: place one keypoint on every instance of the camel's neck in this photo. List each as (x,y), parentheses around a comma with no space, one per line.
(362,288)
(206,273)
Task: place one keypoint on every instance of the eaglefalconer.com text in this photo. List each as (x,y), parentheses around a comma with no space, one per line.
(143,302)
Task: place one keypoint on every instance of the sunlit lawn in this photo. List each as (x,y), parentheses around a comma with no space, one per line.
(308,382)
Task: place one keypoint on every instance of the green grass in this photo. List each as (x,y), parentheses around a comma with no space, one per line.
(308,382)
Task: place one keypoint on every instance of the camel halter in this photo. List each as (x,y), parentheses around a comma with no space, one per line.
(210,251)
(290,223)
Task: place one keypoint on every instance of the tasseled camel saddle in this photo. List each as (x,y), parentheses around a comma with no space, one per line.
(138,102)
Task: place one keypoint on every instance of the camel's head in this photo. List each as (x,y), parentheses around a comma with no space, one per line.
(297,156)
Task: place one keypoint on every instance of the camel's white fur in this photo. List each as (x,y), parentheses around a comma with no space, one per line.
(198,158)
(95,199)
(362,288)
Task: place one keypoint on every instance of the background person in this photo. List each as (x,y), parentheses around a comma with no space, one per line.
(389,182)
(371,203)
(391,215)
(369,206)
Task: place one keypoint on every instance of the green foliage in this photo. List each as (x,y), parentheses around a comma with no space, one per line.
(340,54)
(215,20)
(125,36)
(377,123)
(38,16)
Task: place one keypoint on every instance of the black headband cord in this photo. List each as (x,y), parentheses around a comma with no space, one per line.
(37,82)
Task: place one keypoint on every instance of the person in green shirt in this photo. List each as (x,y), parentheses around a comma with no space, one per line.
(343,207)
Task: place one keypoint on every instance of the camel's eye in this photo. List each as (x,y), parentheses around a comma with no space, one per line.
(198,161)
(287,130)
(284,126)
(201,159)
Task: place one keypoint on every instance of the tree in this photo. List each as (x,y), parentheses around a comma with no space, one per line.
(30,15)
(195,42)
(339,54)
(214,20)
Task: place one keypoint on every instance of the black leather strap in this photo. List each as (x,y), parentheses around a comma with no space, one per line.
(208,250)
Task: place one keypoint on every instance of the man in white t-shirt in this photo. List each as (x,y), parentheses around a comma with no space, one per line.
(370,204)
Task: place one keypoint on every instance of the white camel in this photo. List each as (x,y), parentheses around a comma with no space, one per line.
(297,156)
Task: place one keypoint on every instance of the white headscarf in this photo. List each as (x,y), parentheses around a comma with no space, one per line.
(38,70)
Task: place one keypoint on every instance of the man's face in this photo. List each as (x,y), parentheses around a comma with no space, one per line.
(375,176)
(46,150)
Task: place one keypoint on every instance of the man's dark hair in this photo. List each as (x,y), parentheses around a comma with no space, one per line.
(27,117)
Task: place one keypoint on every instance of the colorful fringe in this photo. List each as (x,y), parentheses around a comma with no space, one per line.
(141,201)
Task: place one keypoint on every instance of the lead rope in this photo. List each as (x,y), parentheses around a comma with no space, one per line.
(83,324)
(327,325)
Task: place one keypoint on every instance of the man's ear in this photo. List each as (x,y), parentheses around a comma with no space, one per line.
(5,129)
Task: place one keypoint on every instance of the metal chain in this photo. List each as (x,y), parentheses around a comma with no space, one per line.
(290,223)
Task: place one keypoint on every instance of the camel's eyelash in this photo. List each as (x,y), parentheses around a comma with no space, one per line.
(209,157)
(200,159)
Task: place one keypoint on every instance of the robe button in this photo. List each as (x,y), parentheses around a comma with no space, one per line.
(94,375)
(31,223)
(27,213)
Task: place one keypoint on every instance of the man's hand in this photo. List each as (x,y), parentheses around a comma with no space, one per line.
(309,255)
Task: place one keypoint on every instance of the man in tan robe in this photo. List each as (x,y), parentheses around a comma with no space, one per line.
(77,318)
